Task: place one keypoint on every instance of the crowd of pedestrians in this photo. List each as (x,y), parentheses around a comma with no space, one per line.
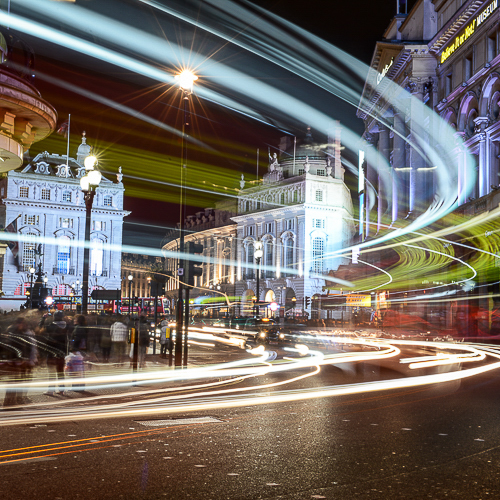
(63,345)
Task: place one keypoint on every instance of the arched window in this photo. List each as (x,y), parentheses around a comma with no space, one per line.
(63,254)
(318,246)
(268,257)
(289,253)
(29,252)
(96,257)
(250,270)
(247,206)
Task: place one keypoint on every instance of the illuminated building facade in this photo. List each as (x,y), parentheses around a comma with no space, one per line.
(301,213)
(44,204)
(445,54)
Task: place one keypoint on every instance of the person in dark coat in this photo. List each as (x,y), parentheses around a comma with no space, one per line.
(79,338)
(18,356)
(56,334)
(143,332)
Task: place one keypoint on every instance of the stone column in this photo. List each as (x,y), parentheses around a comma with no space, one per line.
(398,162)
(462,168)
(384,187)
(371,182)
(484,181)
(417,162)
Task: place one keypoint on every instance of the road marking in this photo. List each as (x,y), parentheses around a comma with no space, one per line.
(179,421)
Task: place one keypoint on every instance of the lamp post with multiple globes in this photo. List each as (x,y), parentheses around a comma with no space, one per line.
(88,183)
(258,255)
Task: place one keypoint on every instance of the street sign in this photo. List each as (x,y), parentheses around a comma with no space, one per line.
(356,300)
(106,294)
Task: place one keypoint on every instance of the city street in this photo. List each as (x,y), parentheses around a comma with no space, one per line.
(429,441)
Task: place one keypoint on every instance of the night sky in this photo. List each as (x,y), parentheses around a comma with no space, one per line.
(232,140)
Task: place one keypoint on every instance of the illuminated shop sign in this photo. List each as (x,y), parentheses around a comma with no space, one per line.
(469,30)
(386,69)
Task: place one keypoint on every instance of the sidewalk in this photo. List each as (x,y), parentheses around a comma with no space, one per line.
(154,363)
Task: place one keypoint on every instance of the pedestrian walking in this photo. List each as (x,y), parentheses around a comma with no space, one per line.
(18,356)
(119,339)
(164,338)
(75,367)
(143,332)
(57,346)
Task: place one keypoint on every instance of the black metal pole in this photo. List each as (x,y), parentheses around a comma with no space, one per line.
(155,317)
(186,326)
(89,198)
(136,347)
(258,291)
(129,296)
(180,308)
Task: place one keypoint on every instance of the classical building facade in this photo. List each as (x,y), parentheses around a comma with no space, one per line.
(435,87)
(43,206)
(300,215)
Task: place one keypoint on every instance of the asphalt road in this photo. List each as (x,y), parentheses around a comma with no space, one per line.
(435,441)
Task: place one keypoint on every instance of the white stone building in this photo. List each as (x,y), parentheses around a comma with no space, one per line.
(43,202)
(301,213)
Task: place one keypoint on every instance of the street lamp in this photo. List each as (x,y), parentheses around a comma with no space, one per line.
(89,183)
(32,273)
(258,255)
(130,278)
(186,80)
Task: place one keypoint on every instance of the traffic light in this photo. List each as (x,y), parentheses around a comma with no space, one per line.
(192,267)
(307,302)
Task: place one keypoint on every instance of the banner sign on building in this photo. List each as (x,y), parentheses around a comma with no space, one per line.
(355,300)
(469,30)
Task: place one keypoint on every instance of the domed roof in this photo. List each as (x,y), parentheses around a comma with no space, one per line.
(84,150)
(307,147)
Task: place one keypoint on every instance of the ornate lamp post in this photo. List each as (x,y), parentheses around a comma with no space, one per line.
(257,256)
(32,274)
(89,184)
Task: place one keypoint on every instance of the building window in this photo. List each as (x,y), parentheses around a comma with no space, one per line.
(45,194)
(96,257)
(301,171)
(289,224)
(66,196)
(98,225)
(66,222)
(23,192)
(250,231)
(258,205)
(491,47)
(282,198)
(107,201)
(268,255)
(63,255)
(250,250)
(319,223)
(29,252)
(247,206)
(295,196)
(31,220)
(319,195)
(448,84)
(320,172)
(289,253)
(317,254)
(269,227)
(468,66)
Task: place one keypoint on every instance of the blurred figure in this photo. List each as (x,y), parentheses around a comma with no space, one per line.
(57,345)
(105,340)
(143,332)
(79,338)
(18,356)
(74,367)
(119,339)
(164,338)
